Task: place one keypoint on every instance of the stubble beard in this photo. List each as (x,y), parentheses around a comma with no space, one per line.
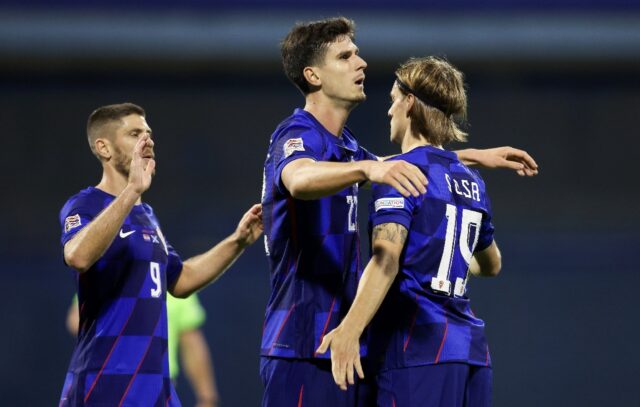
(121,163)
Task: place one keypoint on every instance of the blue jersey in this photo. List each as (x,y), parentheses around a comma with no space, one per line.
(312,246)
(426,318)
(121,354)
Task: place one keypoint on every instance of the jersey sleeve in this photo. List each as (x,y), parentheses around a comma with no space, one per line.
(389,206)
(174,265)
(295,144)
(485,237)
(74,216)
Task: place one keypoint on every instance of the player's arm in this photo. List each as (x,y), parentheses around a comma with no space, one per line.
(198,271)
(387,241)
(500,157)
(196,361)
(90,243)
(305,178)
(73,318)
(487,262)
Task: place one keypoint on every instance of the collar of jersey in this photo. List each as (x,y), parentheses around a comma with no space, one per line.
(346,140)
(434,150)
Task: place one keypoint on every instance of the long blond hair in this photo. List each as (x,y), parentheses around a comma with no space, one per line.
(441,99)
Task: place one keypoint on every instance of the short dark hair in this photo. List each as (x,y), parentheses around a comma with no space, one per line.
(306,44)
(107,114)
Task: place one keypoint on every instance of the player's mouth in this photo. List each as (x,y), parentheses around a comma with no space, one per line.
(360,81)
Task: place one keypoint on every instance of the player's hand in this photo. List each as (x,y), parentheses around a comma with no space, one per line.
(502,157)
(405,177)
(142,165)
(250,226)
(345,355)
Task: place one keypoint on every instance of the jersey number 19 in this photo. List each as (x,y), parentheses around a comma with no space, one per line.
(441,282)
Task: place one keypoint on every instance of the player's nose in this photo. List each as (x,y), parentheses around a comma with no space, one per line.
(362,64)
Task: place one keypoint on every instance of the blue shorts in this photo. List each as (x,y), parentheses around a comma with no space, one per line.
(308,383)
(444,385)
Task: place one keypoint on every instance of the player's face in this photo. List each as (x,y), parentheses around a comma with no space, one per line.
(133,126)
(399,115)
(342,72)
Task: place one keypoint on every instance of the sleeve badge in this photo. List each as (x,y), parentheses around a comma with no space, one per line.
(72,222)
(291,145)
(389,203)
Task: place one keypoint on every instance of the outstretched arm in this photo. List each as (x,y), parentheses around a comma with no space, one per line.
(90,243)
(500,157)
(198,271)
(305,178)
(388,240)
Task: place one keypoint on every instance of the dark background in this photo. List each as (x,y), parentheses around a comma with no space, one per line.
(560,79)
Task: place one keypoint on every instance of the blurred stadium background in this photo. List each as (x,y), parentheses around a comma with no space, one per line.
(559,78)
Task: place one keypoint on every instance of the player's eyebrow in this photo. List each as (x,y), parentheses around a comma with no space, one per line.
(345,54)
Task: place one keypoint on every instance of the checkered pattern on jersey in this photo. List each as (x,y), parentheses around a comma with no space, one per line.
(312,246)
(420,323)
(121,354)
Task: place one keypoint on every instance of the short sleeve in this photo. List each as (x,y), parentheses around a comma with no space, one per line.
(486,228)
(73,217)
(293,145)
(389,206)
(174,265)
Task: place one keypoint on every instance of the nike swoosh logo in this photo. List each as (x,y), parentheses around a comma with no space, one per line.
(125,234)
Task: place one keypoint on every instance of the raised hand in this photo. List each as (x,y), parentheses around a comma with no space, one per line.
(345,356)
(250,226)
(142,165)
(405,177)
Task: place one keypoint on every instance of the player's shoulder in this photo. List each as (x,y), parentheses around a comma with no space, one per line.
(468,172)
(85,198)
(88,199)
(425,156)
(299,122)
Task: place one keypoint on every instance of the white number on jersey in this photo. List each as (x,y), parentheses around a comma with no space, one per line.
(441,281)
(154,271)
(352,200)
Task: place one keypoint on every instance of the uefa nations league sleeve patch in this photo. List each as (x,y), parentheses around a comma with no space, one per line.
(291,145)
(72,222)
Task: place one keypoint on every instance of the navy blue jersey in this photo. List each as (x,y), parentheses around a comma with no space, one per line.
(121,354)
(312,246)
(426,318)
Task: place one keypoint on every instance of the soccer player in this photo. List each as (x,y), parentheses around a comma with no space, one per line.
(125,268)
(432,348)
(312,173)
(185,317)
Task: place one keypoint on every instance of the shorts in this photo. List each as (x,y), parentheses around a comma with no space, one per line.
(444,385)
(309,383)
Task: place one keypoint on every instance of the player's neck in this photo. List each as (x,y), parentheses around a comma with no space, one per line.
(411,141)
(113,182)
(333,117)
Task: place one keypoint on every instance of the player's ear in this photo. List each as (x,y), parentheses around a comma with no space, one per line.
(311,76)
(409,100)
(103,148)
